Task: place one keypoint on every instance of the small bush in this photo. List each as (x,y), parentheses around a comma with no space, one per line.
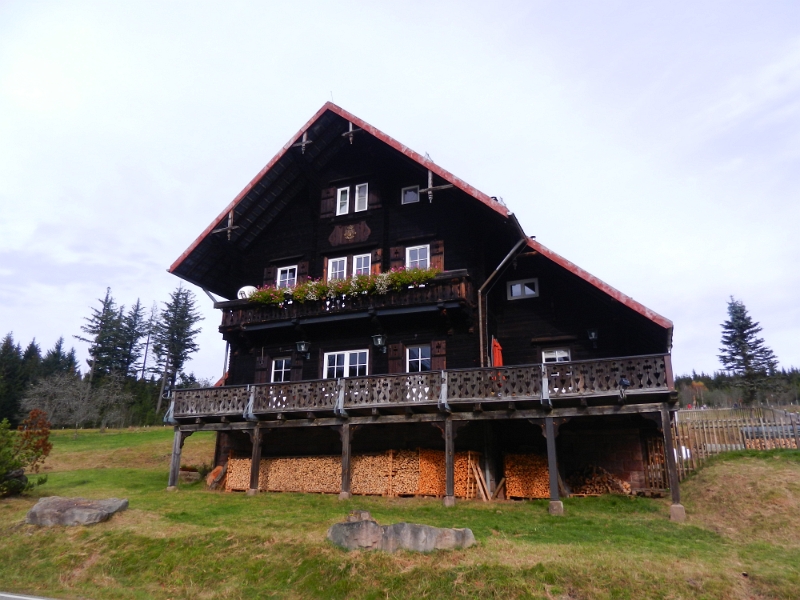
(23,450)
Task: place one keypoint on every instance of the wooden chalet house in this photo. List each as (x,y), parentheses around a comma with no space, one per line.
(499,346)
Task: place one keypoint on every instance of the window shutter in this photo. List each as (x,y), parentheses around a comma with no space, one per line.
(302,271)
(376,261)
(262,369)
(374,196)
(437,255)
(396,358)
(327,206)
(297,367)
(269,276)
(397,257)
(439,355)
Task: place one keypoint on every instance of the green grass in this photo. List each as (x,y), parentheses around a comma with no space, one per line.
(201,544)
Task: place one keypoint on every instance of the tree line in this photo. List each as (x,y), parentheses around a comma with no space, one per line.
(136,356)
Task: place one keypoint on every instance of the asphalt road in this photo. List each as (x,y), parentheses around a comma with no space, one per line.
(7,596)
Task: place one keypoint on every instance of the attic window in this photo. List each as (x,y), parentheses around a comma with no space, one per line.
(342,201)
(409,195)
(522,288)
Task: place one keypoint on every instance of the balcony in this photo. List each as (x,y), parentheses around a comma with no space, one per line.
(451,289)
(578,384)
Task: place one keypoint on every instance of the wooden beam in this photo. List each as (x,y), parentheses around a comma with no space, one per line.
(255,462)
(344,433)
(669,450)
(449,485)
(552,463)
(175,462)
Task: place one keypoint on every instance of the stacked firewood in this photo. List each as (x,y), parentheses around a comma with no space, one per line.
(431,473)
(305,474)
(369,474)
(238,475)
(593,480)
(762,444)
(526,476)
(404,468)
(465,485)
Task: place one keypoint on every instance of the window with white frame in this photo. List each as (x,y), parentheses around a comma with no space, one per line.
(418,359)
(417,257)
(556,355)
(281,369)
(409,195)
(337,268)
(287,276)
(522,288)
(362,197)
(352,363)
(342,201)
(361,264)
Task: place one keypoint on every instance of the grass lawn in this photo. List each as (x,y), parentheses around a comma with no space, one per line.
(743,518)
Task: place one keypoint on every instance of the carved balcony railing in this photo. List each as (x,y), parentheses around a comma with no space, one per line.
(436,390)
(448,287)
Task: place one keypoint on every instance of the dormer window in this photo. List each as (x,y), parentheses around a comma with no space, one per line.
(409,195)
(287,277)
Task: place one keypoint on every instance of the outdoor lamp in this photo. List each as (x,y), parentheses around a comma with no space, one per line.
(592,333)
(302,348)
(379,341)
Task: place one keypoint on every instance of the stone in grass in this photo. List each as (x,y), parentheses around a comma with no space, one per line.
(361,532)
(55,510)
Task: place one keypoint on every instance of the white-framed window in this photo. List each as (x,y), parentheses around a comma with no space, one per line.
(352,363)
(337,268)
(362,197)
(418,359)
(418,257)
(556,355)
(409,195)
(287,277)
(522,288)
(342,201)
(361,264)
(281,369)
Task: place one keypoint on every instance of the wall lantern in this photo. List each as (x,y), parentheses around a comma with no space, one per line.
(379,341)
(592,333)
(302,348)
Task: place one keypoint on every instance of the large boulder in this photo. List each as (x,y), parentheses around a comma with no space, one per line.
(55,510)
(366,534)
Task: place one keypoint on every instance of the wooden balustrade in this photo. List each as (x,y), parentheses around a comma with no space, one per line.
(240,313)
(602,377)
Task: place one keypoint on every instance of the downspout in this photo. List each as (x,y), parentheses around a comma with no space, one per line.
(483,327)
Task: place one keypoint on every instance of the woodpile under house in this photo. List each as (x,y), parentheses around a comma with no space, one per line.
(390,330)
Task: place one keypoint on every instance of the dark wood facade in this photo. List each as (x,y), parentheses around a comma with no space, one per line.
(495,284)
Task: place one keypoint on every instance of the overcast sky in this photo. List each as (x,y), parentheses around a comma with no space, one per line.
(654,144)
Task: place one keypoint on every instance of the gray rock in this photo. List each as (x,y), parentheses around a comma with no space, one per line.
(56,510)
(368,535)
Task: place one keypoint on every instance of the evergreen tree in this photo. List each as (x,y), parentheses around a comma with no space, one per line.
(103,328)
(11,379)
(133,327)
(744,354)
(31,364)
(57,361)
(174,335)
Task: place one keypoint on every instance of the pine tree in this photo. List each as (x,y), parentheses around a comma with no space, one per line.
(57,361)
(11,379)
(103,328)
(744,355)
(133,327)
(173,336)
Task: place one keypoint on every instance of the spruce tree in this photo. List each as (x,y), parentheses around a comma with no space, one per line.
(103,329)
(173,336)
(11,379)
(56,360)
(744,355)
(133,327)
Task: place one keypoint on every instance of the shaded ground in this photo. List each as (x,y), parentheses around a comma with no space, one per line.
(200,544)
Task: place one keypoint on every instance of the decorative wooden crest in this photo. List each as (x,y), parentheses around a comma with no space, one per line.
(349,234)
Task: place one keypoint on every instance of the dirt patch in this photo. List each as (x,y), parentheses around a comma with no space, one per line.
(751,499)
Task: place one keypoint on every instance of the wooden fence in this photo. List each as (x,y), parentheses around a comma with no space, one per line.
(700,434)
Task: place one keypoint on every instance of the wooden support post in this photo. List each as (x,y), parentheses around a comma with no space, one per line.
(255,461)
(676,511)
(175,464)
(344,433)
(556,506)
(449,498)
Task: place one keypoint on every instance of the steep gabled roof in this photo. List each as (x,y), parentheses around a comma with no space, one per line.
(324,133)
(261,200)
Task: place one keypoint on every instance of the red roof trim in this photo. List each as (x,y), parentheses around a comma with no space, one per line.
(601,285)
(446,175)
